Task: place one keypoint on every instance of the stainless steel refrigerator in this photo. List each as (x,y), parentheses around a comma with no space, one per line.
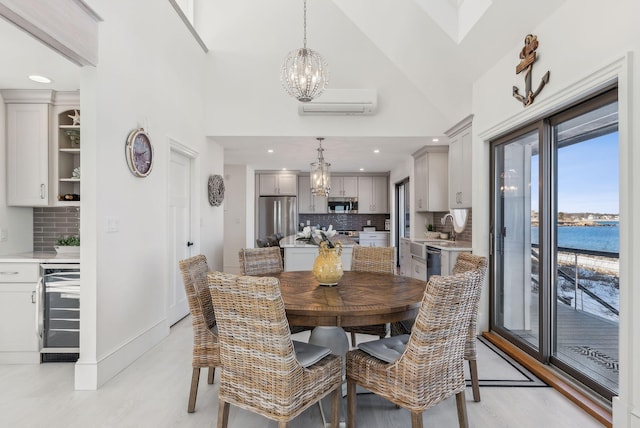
(277,214)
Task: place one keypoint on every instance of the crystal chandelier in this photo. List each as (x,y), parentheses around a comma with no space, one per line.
(304,71)
(320,178)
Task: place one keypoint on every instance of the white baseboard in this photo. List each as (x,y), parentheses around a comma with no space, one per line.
(92,375)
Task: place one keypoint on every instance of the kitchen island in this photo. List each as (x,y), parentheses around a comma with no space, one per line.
(299,255)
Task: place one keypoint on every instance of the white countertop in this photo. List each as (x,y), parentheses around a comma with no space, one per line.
(40,257)
(447,245)
(290,242)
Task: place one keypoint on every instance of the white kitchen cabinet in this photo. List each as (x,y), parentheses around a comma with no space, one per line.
(308,203)
(28,132)
(460,137)
(373,195)
(278,184)
(418,268)
(420,182)
(447,261)
(19,341)
(405,256)
(344,187)
(431,181)
(43,147)
(373,239)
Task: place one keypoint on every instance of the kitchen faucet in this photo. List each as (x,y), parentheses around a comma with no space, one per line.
(443,221)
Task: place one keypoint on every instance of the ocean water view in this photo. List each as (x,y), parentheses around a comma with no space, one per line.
(595,238)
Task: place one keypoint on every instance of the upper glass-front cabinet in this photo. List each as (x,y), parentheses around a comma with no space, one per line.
(66,157)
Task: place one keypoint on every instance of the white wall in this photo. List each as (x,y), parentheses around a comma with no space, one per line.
(150,74)
(245,94)
(17,221)
(239,208)
(584,44)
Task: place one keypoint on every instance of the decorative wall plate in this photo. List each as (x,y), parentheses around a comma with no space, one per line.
(139,153)
(216,190)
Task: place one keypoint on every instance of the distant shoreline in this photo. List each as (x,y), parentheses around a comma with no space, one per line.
(583,223)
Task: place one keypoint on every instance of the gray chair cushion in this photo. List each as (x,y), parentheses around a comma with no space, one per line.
(308,354)
(388,349)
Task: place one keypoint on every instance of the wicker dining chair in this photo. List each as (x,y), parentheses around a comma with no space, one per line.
(376,260)
(261,261)
(206,350)
(464,263)
(260,369)
(431,365)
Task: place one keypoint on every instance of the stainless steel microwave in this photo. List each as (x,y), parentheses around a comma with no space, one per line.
(343,205)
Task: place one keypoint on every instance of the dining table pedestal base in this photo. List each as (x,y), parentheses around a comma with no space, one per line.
(333,338)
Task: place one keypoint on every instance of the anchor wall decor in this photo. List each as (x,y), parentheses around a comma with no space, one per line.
(528,57)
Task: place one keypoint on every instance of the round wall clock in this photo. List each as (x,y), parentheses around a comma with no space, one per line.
(139,152)
(216,190)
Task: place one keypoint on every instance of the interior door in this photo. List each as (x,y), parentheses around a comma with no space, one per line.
(180,232)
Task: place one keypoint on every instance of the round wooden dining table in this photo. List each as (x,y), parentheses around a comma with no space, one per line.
(360,298)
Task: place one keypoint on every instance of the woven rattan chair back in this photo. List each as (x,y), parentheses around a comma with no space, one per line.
(260,371)
(431,368)
(260,261)
(373,259)
(206,352)
(376,260)
(464,263)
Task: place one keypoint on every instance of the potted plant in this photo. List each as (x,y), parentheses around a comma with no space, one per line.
(430,233)
(69,244)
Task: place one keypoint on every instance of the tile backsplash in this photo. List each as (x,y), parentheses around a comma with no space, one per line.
(344,221)
(356,221)
(53,223)
(465,235)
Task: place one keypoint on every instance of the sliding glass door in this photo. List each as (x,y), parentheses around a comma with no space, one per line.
(586,249)
(516,303)
(555,240)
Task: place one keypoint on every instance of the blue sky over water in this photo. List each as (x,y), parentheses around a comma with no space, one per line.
(588,177)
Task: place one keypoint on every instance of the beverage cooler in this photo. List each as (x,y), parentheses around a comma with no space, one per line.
(59,312)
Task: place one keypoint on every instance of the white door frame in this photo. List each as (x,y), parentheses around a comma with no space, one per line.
(193,156)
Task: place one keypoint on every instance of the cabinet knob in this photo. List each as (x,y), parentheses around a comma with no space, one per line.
(189,244)
(42,191)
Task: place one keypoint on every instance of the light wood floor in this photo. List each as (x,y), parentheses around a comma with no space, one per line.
(153,392)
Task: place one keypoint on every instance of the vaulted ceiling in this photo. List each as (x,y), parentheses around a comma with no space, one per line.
(435,48)
(432,50)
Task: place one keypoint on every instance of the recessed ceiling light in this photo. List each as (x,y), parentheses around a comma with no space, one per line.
(270,151)
(361,169)
(376,151)
(435,140)
(284,169)
(40,79)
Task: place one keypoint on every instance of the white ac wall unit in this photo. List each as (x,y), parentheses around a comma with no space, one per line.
(341,102)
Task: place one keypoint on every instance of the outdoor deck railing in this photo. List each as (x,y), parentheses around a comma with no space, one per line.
(596,261)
